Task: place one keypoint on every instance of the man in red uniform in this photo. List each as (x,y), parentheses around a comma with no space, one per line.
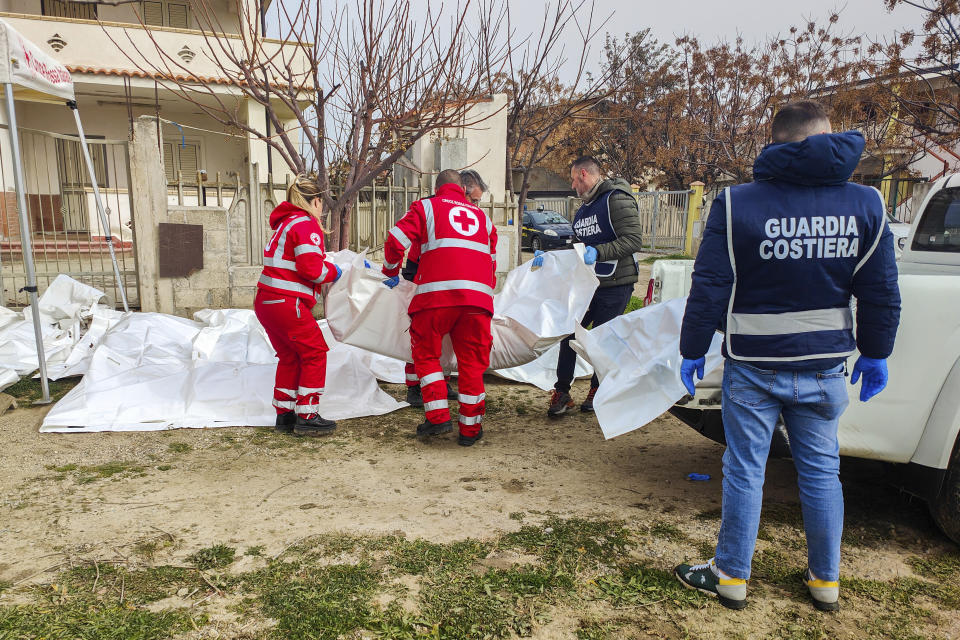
(474,187)
(455,279)
(294,267)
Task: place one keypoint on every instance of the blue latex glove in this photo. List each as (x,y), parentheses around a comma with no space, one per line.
(392,282)
(538,258)
(874,376)
(339,273)
(687,369)
(366,264)
(590,255)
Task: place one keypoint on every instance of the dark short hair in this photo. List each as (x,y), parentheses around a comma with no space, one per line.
(470,179)
(448,176)
(587,162)
(798,120)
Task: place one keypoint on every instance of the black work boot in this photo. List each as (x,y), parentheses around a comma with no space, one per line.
(314,426)
(414,396)
(560,403)
(587,406)
(451,392)
(468,441)
(285,422)
(428,428)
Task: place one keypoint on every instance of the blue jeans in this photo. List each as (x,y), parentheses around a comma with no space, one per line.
(811,403)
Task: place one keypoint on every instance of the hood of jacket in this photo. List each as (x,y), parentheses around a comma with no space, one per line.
(611,184)
(283,210)
(820,160)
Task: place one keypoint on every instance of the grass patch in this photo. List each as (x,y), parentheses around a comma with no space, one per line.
(567,541)
(710,514)
(667,531)
(776,568)
(90,619)
(597,630)
(634,304)
(419,556)
(139,587)
(28,389)
(672,256)
(179,447)
(255,551)
(214,557)
(942,567)
(639,585)
(87,474)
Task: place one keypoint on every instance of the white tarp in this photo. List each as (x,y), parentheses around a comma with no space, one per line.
(536,308)
(637,358)
(152,371)
(64,307)
(542,372)
(23,63)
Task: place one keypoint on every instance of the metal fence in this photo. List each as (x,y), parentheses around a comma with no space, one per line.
(65,228)
(375,210)
(663,216)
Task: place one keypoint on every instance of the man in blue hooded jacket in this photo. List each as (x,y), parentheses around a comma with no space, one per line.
(780,259)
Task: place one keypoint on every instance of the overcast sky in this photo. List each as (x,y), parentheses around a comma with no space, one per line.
(712,20)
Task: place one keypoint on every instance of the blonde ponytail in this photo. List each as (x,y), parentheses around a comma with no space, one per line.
(302,191)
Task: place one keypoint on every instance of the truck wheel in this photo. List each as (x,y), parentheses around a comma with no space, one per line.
(536,244)
(945,508)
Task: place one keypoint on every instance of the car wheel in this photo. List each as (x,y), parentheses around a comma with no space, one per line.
(945,508)
(536,244)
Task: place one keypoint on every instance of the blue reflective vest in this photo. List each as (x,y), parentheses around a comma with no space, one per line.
(793,268)
(592,226)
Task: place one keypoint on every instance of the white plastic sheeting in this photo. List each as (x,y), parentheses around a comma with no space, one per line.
(637,358)
(542,372)
(536,308)
(64,308)
(153,371)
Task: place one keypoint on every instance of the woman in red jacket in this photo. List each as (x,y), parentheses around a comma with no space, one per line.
(294,267)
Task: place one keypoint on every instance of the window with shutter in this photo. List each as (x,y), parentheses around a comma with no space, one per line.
(182,158)
(189,161)
(162,13)
(69,9)
(177,16)
(153,13)
(169,162)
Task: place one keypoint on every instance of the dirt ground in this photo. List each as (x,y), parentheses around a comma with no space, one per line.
(149,499)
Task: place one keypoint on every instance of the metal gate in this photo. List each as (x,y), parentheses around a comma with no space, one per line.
(663,215)
(65,227)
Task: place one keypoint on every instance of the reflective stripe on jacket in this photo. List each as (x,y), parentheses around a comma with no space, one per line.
(294,262)
(457,245)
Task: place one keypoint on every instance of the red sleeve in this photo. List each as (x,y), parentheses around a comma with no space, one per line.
(308,254)
(493,248)
(409,231)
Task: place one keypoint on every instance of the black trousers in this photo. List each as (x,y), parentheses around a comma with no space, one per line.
(607,304)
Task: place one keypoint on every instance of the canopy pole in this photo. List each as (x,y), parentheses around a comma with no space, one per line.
(25,244)
(104,221)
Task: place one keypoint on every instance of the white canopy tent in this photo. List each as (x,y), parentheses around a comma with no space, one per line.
(27,73)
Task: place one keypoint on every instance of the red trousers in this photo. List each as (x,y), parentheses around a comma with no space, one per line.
(411,375)
(299,343)
(469,329)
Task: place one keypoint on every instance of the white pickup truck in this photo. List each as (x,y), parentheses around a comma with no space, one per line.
(914,422)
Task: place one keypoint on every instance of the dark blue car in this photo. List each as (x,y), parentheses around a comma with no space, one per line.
(544,230)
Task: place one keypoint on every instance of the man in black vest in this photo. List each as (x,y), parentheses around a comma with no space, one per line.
(608,222)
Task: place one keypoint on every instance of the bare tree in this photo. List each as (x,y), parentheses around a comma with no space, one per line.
(360,84)
(919,73)
(539,102)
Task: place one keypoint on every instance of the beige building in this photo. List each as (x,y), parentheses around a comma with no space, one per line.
(113,88)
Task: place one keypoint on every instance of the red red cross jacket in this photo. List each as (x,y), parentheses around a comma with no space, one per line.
(458,248)
(294,260)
